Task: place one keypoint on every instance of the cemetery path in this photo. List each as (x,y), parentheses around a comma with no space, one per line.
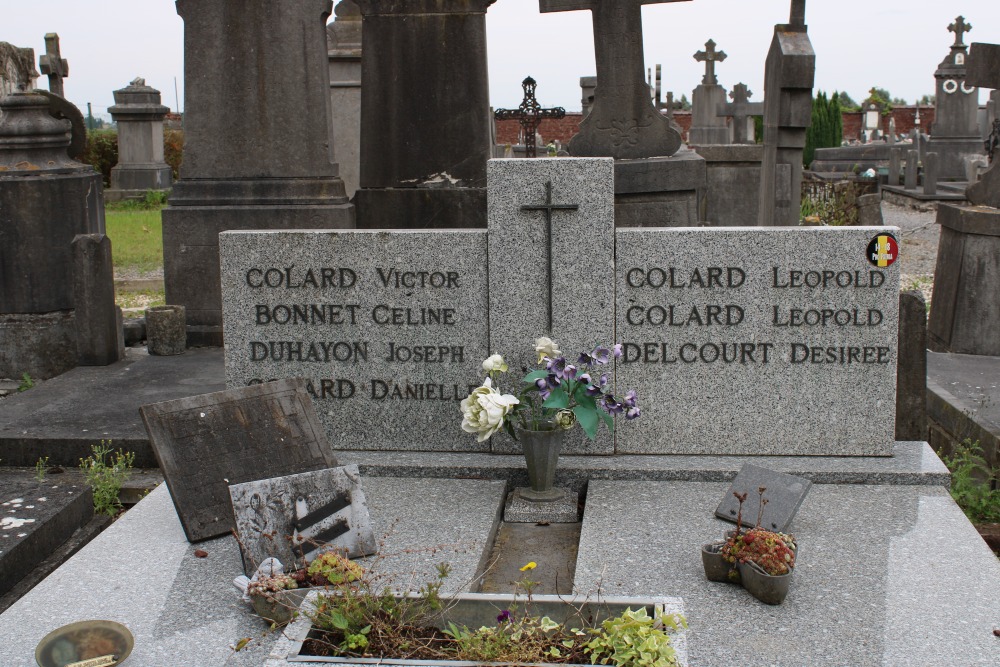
(919,235)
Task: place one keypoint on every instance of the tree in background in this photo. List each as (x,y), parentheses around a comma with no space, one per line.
(827,127)
(836,121)
(927,101)
(847,103)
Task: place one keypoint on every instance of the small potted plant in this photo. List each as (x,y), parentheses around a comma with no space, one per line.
(761,560)
(267,600)
(552,400)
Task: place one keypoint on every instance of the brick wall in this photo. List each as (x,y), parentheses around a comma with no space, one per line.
(905,116)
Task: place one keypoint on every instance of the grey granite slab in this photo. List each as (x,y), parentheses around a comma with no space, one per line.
(389,329)
(297,517)
(575,292)
(781,498)
(184,610)
(895,576)
(561,510)
(757,341)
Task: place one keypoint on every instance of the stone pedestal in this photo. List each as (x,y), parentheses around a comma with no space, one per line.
(141,166)
(257,151)
(46,199)
(660,191)
(707,127)
(99,334)
(733,184)
(344,42)
(425,122)
(965,311)
(166,333)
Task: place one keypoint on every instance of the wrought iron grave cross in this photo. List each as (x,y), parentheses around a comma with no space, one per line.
(623,123)
(710,56)
(53,64)
(548,207)
(530,115)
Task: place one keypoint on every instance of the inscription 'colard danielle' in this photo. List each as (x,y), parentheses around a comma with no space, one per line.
(383,390)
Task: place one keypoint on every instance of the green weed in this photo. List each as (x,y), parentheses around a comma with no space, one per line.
(971,483)
(106,474)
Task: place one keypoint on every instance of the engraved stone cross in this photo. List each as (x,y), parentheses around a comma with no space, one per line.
(710,56)
(53,64)
(960,27)
(547,208)
(623,122)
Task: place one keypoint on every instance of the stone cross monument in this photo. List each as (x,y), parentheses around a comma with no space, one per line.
(742,111)
(707,126)
(530,115)
(955,132)
(53,64)
(788,80)
(623,122)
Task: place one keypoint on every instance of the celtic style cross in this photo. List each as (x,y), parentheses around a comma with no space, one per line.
(710,56)
(547,208)
(530,115)
(623,123)
(959,27)
(53,64)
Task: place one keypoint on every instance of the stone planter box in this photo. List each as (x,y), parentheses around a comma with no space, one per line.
(475,610)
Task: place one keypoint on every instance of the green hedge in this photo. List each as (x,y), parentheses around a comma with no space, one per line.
(102,151)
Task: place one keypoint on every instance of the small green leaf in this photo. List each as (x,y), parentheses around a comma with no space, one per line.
(557,400)
(588,420)
(535,375)
(608,419)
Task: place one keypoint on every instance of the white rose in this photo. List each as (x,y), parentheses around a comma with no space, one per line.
(495,363)
(546,347)
(484,410)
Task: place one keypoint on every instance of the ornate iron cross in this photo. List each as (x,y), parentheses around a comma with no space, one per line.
(960,27)
(530,115)
(53,64)
(710,56)
(548,207)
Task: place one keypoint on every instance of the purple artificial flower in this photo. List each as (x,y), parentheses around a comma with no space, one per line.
(617,351)
(601,355)
(505,616)
(631,399)
(543,388)
(569,373)
(594,391)
(557,366)
(553,381)
(633,412)
(584,378)
(585,359)
(611,406)
(604,381)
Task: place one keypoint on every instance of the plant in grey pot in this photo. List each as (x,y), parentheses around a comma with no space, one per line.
(551,400)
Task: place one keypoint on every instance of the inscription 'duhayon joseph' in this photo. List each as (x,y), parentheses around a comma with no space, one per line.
(810,317)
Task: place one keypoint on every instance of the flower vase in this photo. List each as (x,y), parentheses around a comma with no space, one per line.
(768,588)
(541,453)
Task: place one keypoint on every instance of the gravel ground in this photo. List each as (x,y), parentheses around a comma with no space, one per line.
(918,246)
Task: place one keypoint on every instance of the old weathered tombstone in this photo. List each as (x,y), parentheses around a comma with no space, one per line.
(388,329)
(911,373)
(17,69)
(622,123)
(141,166)
(47,199)
(538,211)
(414,175)
(588,86)
(656,185)
(707,126)
(53,65)
(257,151)
(788,82)
(294,518)
(784,494)
(895,157)
(529,115)
(205,443)
(344,41)
(931,167)
(742,111)
(955,132)
(99,336)
(912,171)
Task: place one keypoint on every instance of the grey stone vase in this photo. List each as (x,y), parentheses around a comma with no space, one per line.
(541,452)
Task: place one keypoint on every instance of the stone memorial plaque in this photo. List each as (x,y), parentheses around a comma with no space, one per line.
(294,518)
(759,340)
(205,443)
(389,329)
(784,495)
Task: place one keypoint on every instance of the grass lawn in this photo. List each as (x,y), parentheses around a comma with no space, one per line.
(136,240)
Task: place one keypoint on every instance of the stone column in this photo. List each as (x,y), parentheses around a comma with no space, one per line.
(141,166)
(344,41)
(910,177)
(257,151)
(425,123)
(895,156)
(46,199)
(930,173)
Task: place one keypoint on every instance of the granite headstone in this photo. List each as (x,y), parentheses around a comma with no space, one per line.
(205,443)
(297,517)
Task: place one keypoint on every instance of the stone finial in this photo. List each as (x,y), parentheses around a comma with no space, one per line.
(959,27)
(137,81)
(710,56)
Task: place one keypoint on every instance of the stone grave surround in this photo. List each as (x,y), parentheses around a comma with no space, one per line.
(738,341)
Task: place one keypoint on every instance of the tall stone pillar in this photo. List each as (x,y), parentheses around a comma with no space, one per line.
(955,132)
(344,41)
(257,151)
(425,121)
(141,166)
(46,199)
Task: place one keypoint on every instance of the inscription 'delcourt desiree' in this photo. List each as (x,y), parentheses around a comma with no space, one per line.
(711,303)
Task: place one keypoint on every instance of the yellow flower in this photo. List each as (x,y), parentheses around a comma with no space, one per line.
(530,566)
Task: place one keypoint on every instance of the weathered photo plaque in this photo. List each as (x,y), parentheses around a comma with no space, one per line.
(784,494)
(205,443)
(295,518)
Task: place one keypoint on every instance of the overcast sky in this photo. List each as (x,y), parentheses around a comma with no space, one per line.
(892,44)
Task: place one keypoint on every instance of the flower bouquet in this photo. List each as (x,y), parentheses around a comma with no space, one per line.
(551,400)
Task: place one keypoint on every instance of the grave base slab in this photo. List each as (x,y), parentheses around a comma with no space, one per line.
(562,510)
